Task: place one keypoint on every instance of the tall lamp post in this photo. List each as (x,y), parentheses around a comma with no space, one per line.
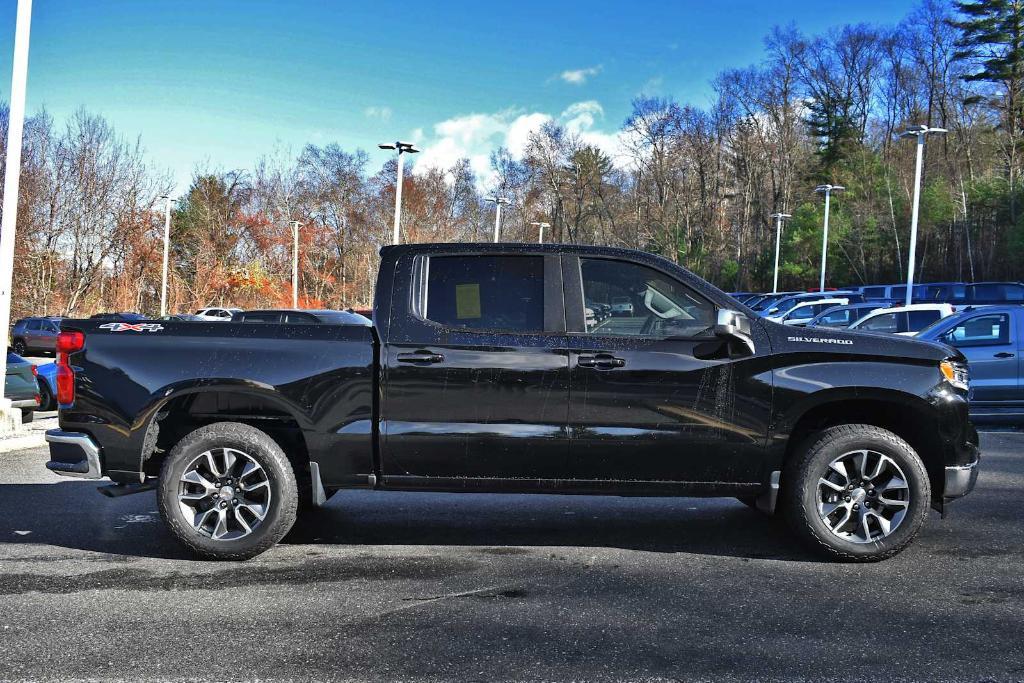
(403,148)
(920,132)
(827,190)
(779,217)
(498,201)
(167,249)
(15,126)
(295,263)
(540,230)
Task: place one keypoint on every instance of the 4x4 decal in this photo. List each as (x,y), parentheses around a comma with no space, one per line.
(132,327)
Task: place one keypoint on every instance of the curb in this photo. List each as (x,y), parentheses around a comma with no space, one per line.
(19,443)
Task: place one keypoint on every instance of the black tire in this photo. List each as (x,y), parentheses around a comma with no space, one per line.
(283,502)
(19,347)
(47,400)
(807,467)
(27,416)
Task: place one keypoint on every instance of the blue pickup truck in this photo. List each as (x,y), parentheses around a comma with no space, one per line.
(992,338)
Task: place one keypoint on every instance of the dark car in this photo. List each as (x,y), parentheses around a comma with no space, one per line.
(300,317)
(118,317)
(844,316)
(20,385)
(992,339)
(35,334)
(481,373)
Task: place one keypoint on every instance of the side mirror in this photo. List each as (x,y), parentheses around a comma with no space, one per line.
(735,325)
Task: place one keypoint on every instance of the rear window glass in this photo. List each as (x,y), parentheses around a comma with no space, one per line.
(504,293)
(922,319)
(874,292)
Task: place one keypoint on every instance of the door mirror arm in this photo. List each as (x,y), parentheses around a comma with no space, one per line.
(734,325)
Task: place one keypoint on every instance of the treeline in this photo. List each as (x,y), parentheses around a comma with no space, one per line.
(694,184)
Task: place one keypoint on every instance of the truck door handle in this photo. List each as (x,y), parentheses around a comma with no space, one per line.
(420,357)
(602,361)
(1004,354)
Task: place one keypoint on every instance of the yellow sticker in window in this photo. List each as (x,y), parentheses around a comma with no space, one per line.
(467,301)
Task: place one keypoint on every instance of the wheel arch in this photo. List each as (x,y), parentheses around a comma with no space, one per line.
(908,416)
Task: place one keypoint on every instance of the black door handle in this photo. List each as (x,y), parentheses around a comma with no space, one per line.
(420,357)
(601,361)
(1004,354)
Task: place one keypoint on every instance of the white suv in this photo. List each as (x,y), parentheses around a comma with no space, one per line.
(217,314)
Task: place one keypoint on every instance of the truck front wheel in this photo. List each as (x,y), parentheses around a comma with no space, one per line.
(227,492)
(857,493)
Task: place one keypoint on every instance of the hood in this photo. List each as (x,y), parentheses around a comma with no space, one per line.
(788,339)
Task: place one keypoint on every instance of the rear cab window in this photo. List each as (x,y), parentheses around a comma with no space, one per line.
(486,293)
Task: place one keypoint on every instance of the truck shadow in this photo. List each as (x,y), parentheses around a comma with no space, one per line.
(71,514)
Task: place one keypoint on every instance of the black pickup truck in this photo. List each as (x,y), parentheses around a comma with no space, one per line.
(487,368)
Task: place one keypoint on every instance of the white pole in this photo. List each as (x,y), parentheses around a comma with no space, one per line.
(15,128)
(396,236)
(295,264)
(913,218)
(497,220)
(778,238)
(167,243)
(824,241)
(540,235)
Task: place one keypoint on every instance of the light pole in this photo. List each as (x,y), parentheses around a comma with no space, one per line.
(403,148)
(827,190)
(920,132)
(540,230)
(15,126)
(295,263)
(167,248)
(498,201)
(779,217)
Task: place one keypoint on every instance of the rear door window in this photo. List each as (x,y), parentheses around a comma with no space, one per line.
(493,293)
(33,325)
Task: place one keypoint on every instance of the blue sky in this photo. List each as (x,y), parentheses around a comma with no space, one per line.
(218,83)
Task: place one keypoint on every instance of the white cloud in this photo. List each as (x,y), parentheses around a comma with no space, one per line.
(382,113)
(475,136)
(580,76)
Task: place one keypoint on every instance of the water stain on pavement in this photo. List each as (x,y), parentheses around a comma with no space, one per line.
(239,575)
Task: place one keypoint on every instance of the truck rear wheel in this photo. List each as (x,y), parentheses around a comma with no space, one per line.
(227,492)
(857,493)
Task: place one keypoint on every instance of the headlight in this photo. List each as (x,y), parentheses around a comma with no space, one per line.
(955,373)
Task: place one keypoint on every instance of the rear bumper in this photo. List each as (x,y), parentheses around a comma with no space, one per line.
(25,403)
(73,454)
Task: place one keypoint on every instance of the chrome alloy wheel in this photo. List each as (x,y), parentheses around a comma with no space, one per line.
(224,493)
(863,496)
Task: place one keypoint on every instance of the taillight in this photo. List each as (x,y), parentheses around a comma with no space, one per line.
(35,371)
(67,343)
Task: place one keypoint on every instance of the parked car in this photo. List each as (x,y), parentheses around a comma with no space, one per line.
(787,303)
(304,317)
(479,374)
(46,377)
(992,339)
(844,316)
(767,300)
(804,311)
(217,314)
(125,316)
(902,320)
(890,292)
(622,305)
(35,334)
(981,293)
(180,317)
(20,386)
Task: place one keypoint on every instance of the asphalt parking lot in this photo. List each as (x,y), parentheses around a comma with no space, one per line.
(472,587)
